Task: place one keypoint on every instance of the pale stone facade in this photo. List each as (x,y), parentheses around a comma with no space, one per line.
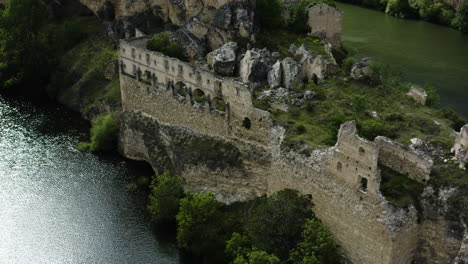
(460,148)
(326,23)
(218,151)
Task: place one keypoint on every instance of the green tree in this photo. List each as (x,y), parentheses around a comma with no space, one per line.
(163,44)
(268,13)
(317,247)
(201,228)
(257,257)
(371,128)
(104,134)
(164,200)
(276,224)
(24,50)
(461,17)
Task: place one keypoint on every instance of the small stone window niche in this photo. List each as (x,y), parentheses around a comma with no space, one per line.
(247,123)
(363,185)
(362,151)
(339,166)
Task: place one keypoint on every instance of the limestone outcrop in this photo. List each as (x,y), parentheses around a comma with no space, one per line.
(418,94)
(223,60)
(255,65)
(292,73)
(361,70)
(460,148)
(275,75)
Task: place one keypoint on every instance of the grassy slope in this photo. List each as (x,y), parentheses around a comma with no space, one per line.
(79,82)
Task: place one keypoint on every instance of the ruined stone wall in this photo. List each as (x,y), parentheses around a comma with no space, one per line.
(415,165)
(326,23)
(215,152)
(166,75)
(364,225)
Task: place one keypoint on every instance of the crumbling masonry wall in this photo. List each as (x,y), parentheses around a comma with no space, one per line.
(416,166)
(215,152)
(326,23)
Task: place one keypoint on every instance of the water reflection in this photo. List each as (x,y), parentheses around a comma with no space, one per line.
(58,205)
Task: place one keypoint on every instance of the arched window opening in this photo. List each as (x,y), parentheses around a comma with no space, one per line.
(339,166)
(363,184)
(247,123)
(199,96)
(315,78)
(361,151)
(148,75)
(219,104)
(181,89)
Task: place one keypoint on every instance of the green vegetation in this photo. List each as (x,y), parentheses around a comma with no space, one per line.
(276,224)
(398,189)
(317,246)
(164,200)
(430,10)
(281,39)
(162,43)
(446,176)
(201,226)
(80,82)
(31,43)
(339,100)
(104,134)
(269,13)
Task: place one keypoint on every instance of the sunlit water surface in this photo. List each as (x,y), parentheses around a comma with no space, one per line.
(424,52)
(58,205)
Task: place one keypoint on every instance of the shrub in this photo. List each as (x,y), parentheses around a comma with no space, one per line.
(164,200)
(298,21)
(398,189)
(201,227)
(461,17)
(457,121)
(162,43)
(104,134)
(269,13)
(257,257)
(301,129)
(275,225)
(347,65)
(317,246)
(371,128)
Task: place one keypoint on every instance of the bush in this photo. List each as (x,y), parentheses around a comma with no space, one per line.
(201,227)
(347,65)
(257,257)
(398,189)
(104,134)
(275,225)
(164,200)
(299,16)
(162,43)
(317,246)
(461,17)
(269,13)
(371,128)
(239,248)
(457,121)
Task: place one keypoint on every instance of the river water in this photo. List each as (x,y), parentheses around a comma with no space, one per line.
(424,52)
(58,205)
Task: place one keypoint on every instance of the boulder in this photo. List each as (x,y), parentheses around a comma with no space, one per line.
(193,48)
(308,95)
(292,73)
(361,70)
(275,75)
(418,94)
(292,49)
(254,67)
(460,148)
(223,60)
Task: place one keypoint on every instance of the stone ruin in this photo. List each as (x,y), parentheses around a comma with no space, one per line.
(326,23)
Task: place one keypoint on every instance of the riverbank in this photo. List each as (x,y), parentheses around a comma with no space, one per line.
(424,53)
(448,13)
